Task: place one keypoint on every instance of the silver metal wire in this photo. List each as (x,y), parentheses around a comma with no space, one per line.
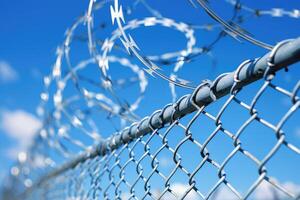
(174,153)
(130,165)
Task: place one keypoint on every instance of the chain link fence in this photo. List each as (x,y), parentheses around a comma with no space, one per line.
(234,137)
(233,130)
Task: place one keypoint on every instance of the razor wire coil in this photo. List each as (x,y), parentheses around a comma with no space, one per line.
(128,164)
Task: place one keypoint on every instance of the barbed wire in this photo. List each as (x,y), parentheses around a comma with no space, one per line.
(70,158)
(273,12)
(113,152)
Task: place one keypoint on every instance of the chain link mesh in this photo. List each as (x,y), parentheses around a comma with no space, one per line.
(173,162)
(236,142)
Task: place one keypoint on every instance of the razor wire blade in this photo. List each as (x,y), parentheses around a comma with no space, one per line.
(72,104)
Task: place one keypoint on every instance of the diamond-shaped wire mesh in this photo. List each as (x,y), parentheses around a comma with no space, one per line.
(202,155)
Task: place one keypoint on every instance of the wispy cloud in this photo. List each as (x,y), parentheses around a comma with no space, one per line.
(7,72)
(266,191)
(21,126)
(224,193)
(179,189)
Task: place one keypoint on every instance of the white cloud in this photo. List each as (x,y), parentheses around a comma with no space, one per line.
(179,190)
(7,73)
(224,193)
(266,191)
(21,126)
(125,195)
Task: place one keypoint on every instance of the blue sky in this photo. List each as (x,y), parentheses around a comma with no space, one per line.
(29,35)
(31,31)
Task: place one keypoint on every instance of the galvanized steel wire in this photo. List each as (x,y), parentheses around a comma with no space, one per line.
(131,163)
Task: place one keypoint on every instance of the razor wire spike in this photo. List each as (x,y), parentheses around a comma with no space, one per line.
(107,45)
(112,161)
(295,13)
(149,71)
(56,72)
(277,12)
(129,44)
(150,21)
(47,81)
(103,63)
(116,12)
